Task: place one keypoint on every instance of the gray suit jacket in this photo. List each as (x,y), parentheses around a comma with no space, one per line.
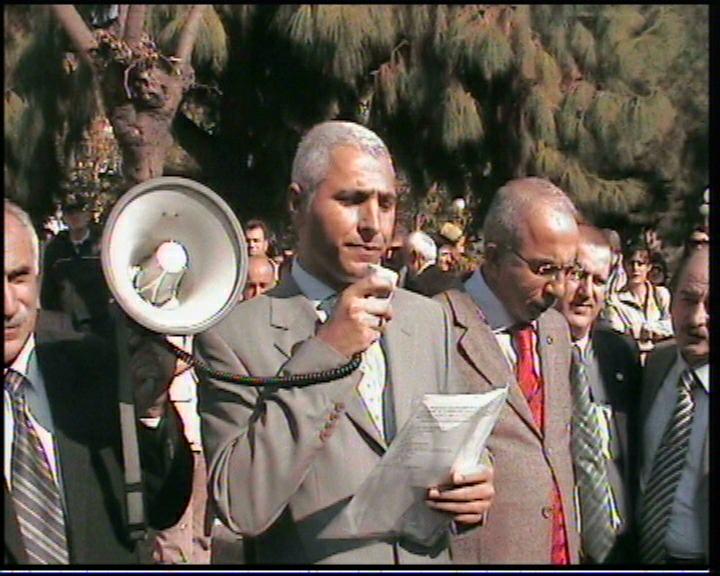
(283,463)
(518,528)
(657,367)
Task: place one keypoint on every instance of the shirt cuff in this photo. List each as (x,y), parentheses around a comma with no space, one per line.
(151,422)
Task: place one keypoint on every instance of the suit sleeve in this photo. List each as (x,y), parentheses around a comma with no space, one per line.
(260,445)
(165,455)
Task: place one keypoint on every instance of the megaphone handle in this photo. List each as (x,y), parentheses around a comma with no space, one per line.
(293,381)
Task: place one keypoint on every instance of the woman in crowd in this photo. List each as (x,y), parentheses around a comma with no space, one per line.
(640,308)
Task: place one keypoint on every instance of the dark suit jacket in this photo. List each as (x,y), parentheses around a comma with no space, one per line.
(82,395)
(618,361)
(431,281)
(658,364)
(518,528)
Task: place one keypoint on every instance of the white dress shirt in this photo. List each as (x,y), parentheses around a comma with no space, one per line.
(684,539)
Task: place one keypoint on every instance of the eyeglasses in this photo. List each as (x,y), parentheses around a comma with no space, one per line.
(581,275)
(548,271)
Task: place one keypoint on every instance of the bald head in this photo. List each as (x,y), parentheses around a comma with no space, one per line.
(261,276)
(531,238)
(516,206)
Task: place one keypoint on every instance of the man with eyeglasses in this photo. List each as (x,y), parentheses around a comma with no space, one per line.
(508,333)
(606,379)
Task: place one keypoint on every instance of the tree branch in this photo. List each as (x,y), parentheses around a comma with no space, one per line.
(135,23)
(189,32)
(79,33)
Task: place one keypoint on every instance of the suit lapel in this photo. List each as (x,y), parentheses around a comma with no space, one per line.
(70,456)
(295,319)
(478,345)
(655,375)
(399,351)
(548,338)
(292,315)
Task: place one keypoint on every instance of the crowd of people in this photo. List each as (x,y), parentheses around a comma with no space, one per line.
(600,454)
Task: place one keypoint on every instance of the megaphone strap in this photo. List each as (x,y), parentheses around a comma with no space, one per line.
(293,381)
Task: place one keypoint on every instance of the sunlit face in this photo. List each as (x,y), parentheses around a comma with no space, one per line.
(584,295)
(446,258)
(691,310)
(349,222)
(21,287)
(637,267)
(256,242)
(549,239)
(260,278)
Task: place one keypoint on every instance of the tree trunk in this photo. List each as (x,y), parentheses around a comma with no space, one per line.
(142,125)
(141,89)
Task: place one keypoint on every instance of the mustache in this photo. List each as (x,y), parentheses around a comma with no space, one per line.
(18,320)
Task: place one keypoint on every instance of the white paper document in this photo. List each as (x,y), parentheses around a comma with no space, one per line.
(445,433)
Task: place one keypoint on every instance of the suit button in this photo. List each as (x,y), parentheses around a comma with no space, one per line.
(339,406)
(547,511)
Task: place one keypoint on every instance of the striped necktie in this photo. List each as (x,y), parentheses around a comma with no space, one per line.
(667,468)
(35,493)
(374,369)
(593,487)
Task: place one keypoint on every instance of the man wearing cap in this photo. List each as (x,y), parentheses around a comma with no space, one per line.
(72,280)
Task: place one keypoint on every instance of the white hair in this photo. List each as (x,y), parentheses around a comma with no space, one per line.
(421,243)
(312,159)
(514,203)
(22,217)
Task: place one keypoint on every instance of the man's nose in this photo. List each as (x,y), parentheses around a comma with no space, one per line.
(369,222)
(10,303)
(700,315)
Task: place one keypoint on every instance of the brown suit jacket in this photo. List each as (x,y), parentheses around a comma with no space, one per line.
(283,463)
(518,528)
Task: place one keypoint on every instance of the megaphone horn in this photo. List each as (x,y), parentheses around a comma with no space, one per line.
(174,256)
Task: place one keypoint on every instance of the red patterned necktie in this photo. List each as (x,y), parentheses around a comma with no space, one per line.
(532,386)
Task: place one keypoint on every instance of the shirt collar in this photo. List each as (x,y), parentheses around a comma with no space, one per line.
(495,312)
(21,362)
(583,344)
(702,372)
(311,287)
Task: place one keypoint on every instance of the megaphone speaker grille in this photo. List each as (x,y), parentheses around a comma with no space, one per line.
(184,212)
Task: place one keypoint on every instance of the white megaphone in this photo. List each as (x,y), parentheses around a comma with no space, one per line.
(174,256)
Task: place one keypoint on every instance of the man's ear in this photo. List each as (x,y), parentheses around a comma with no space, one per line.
(491,253)
(295,200)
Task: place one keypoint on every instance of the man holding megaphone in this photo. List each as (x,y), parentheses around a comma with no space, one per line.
(283,462)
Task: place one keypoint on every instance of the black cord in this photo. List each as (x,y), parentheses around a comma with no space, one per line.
(296,380)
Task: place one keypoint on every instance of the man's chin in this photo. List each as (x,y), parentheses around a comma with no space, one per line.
(696,354)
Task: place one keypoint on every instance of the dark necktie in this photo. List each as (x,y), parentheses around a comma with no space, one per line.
(35,494)
(532,386)
(667,468)
(594,494)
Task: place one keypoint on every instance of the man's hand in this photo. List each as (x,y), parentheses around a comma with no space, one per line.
(152,367)
(359,316)
(467,498)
